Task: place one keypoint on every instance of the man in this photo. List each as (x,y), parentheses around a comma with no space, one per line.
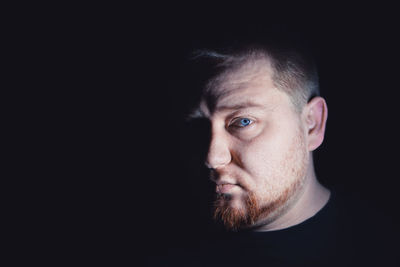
(265,120)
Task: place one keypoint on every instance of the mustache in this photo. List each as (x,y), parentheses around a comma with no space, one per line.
(224,177)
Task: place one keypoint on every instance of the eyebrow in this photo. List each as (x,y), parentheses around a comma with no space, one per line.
(199,113)
(243,105)
(195,114)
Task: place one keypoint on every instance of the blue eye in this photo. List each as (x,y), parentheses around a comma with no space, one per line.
(242,122)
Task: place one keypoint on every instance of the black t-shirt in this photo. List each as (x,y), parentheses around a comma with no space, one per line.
(345,232)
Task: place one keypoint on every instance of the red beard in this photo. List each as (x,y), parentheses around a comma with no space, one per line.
(252,211)
(234,218)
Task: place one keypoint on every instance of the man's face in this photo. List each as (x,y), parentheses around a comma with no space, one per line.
(258,154)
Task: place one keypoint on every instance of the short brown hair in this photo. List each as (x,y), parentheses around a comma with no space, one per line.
(293,72)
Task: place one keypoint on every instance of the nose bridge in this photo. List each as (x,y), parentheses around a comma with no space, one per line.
(218,152)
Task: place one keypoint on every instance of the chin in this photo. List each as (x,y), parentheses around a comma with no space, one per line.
(236,211)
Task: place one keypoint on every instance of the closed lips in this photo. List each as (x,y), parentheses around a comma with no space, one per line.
(224,188)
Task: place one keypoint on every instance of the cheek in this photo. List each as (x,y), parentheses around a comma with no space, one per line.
(273,160)
(262,159)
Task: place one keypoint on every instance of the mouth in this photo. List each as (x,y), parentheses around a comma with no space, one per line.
(226,188)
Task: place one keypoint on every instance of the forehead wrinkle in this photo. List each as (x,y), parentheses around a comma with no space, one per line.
(250,74)
(253,72)
(233,80)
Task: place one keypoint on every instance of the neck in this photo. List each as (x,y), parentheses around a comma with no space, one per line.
(313,199)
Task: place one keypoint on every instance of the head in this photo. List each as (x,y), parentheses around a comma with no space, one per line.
(266,119)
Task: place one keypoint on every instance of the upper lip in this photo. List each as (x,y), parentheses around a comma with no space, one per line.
(218,180)
(223,183)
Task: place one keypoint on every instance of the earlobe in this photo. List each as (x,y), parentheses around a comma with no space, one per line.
(315,119)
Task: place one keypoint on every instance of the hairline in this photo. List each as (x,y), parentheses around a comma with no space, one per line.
(265,64)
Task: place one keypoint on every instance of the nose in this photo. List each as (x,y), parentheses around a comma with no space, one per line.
(219,152)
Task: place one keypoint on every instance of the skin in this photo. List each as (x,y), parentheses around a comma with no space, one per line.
(269,156)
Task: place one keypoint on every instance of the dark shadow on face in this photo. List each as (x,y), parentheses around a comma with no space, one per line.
(199,190)
(197,138)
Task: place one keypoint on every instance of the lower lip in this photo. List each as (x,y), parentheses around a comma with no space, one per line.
(225,188)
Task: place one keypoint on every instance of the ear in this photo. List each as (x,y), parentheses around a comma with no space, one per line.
(315,115)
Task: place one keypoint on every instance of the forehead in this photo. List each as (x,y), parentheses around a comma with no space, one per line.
(248,85)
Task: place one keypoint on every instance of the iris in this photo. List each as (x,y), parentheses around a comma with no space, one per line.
(244,122)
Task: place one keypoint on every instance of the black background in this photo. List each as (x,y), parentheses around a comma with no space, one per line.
(118,167)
